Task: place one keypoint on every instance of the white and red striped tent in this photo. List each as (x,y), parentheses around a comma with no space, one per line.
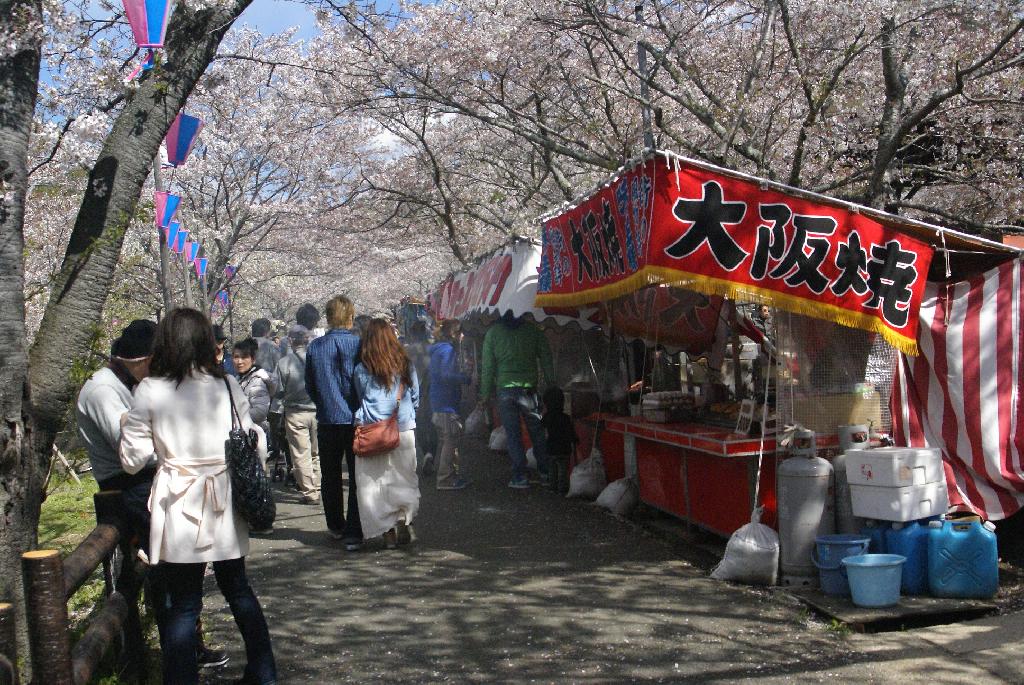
(962,393)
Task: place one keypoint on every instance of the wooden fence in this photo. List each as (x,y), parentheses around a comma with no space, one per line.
(50,581)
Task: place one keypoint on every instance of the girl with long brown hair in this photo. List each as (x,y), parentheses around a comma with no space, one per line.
(387,487)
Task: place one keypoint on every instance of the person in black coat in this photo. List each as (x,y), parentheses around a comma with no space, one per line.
(561,438)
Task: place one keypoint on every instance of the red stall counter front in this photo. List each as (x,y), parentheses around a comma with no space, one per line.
(702,474)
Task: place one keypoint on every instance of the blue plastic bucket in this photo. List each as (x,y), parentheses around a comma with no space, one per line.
(875,578)
(829,552)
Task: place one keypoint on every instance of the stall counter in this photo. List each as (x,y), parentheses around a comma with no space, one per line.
(703,474)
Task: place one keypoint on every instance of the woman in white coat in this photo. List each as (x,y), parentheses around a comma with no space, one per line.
(182,413)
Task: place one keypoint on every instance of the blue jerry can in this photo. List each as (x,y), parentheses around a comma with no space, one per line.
(876,531)
(911,541)
(963,560)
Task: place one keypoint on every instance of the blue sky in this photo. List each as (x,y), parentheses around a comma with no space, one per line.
(273,16)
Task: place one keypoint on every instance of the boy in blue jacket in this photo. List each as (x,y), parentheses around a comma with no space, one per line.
(446,381)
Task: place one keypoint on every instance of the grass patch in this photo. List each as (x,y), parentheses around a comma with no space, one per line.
(66,518)
(67,515)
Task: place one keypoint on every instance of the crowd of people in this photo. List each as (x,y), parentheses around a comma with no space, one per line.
(156,419)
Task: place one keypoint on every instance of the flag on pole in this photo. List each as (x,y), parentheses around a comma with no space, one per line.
(191,252)
(179,242)
(230,271)
(148,19)
(166,204)
(145,65)
(181,138)
(172,233)
(200,265)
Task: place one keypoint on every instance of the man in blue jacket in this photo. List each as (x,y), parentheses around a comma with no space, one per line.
(330,361)
(446,381)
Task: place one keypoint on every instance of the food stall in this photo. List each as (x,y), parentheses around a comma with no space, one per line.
(844,285)
(506,280)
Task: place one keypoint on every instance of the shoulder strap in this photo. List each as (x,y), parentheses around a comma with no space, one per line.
(236,421)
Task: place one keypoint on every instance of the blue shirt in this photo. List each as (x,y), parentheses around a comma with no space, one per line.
(377,403)
(228,364)
(446,380)
(330,362)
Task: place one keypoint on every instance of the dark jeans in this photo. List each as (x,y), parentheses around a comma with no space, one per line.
(335,442)
(183,585)
(559,472)
(278,439)
(514,403)
(135,496)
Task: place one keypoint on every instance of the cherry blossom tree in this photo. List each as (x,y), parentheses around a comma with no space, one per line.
(907,106)
(80,288)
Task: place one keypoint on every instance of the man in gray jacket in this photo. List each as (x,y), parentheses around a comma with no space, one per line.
(103,400)
(299,415)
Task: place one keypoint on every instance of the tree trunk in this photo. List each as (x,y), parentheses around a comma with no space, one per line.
(21,474)
(115,183)
(80,291)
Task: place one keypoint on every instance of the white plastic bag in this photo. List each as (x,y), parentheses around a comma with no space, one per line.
(587,480)
(498,441)
(476,423)
(751,555)
(620,497)
(531,459)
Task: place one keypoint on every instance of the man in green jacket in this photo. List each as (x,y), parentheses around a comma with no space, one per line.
(513,349)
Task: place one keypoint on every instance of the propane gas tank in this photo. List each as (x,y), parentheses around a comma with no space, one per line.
(853,437)
(805,503)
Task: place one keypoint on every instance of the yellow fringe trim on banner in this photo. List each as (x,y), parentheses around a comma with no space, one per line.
(707,285)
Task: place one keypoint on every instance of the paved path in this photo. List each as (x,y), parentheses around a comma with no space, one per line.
(524,586)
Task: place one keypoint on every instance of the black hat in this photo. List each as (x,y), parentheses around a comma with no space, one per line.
(136,340)
(218,333)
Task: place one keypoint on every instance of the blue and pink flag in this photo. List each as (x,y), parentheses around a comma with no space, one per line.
(191,252)
(179,241)
(200,265)
(172,233)
(181,137)
(166,204)
(145,65)
(148,19)
(230,271)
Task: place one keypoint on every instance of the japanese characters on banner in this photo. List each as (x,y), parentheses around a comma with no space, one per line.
(505,280)
(711,232)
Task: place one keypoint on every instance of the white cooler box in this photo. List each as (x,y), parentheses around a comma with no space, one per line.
(892,467)
(908,503)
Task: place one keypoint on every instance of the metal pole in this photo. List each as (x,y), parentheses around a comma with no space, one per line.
(231,305)
(165,267)
(185,267)
(645,91)
(737,369)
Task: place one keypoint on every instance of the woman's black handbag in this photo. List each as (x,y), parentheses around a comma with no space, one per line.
(250,487)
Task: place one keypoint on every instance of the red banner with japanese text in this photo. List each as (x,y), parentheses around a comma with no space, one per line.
(505,280)
(670,221)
